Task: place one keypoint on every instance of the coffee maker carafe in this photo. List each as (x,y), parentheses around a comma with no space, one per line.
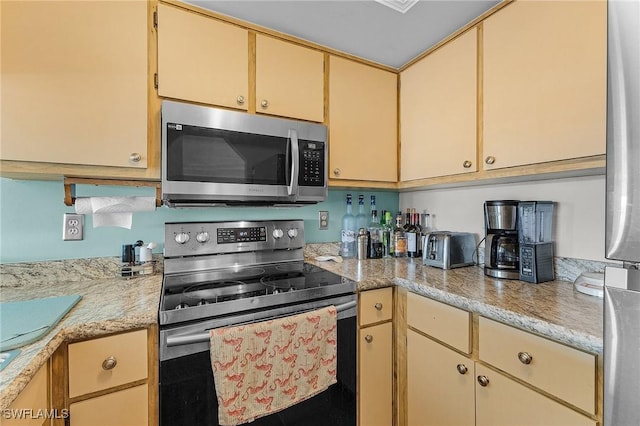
(501,253)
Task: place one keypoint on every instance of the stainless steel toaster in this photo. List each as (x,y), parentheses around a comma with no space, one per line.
(447,250)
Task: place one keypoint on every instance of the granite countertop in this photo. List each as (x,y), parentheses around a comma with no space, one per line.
(553,309)
(108,305)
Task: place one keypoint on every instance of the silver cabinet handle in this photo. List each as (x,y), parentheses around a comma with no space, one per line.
(483,380)
(240,100)
(109,363)
(467,164)
(462,369)
(135,157)
(525,357)
(368,338)
(264,103)
(336,172)
(378,306)
(490,159)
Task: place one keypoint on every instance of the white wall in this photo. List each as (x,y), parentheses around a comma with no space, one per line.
(579,210)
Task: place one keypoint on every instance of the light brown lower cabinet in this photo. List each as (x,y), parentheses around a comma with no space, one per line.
(502,401)
(375,358)
(440,384)
(127,407)
(31,407)
(109,380)
(506,379)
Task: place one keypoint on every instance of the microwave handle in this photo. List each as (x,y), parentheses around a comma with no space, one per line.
(292,188)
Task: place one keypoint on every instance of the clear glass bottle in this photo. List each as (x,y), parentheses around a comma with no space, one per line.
(348,245)
(399,239)
(361,218)
(375,233)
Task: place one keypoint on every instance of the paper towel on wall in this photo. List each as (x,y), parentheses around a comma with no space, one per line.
(114,211)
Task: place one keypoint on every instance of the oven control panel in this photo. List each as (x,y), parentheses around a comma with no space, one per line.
(242,235)
(201,238)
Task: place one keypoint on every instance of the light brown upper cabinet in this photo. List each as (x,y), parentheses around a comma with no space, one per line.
(74,83)
(544,82)
(289,79)
(438,112)
(201,59)
(363,122)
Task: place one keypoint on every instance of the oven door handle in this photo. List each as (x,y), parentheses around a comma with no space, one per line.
(205,336)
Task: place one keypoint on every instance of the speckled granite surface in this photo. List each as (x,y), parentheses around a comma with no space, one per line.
(553,309)
(109,304)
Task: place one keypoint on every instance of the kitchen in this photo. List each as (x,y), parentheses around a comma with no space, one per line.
(580,221)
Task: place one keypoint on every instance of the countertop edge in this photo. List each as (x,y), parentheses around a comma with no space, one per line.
(542,328)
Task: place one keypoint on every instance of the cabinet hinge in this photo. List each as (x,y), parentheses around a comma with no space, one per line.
(155,80)
(155,19)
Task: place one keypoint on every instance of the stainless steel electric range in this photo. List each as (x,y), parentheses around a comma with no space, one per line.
(227,273)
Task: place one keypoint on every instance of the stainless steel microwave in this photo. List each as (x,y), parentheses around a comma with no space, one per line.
(212,157)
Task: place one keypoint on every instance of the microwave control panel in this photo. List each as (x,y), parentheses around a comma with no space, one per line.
(311,163)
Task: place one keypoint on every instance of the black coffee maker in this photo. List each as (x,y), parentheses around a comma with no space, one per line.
(501,253)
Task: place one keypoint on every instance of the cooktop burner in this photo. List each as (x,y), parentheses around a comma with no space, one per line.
(277,285)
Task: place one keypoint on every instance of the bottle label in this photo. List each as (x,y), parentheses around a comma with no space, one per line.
(348,236)
(401,246)
(412,242)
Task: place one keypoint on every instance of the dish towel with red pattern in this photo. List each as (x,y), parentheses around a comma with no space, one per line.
(265,367)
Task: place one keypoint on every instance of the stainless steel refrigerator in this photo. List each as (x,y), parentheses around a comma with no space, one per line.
(622,284)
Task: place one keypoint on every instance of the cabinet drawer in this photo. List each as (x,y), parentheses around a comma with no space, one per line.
(444,322)
(88,369)
(376,305)
(565,372)
(127,407)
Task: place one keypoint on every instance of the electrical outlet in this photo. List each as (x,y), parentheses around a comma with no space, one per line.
(323,220)
(72,227)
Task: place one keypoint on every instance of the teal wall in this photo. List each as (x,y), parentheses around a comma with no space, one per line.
(31,215)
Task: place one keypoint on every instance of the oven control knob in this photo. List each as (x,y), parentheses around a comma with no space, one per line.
(277,233)
(292,233)
(182,238)
(202,237)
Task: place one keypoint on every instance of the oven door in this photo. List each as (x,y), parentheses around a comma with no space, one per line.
(187,393)
(226,157)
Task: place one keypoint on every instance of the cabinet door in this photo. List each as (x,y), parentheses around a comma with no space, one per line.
(505,402)
(289,79)
(127,407)
(201,59)
(438,104)
(74,82)
(544,82)
(440,384)
(375,386)
(30,402)
(362,122)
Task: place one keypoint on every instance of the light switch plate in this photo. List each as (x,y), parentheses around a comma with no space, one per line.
(323,220)
(72,227)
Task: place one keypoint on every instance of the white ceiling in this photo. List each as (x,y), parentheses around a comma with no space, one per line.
(364,28)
